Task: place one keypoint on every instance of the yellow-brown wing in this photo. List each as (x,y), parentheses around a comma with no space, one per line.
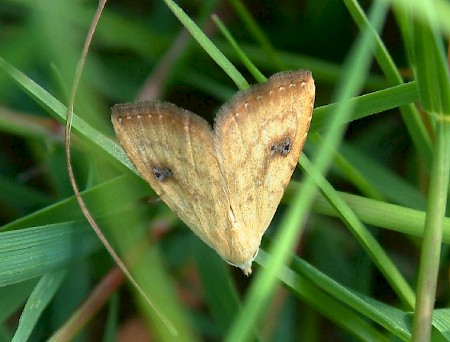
(173,149)
(261,133)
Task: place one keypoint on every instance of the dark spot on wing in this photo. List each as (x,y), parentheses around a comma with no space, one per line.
(282,147)
(162,174)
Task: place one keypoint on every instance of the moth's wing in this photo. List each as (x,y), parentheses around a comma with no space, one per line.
(174,151)
(261,133)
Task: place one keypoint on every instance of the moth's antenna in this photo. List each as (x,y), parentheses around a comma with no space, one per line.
(84,209)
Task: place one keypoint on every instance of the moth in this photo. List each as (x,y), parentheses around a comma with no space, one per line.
(225,182)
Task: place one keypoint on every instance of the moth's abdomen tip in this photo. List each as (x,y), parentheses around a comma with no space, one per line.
(247,269)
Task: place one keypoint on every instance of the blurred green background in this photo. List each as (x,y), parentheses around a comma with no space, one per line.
(141,51)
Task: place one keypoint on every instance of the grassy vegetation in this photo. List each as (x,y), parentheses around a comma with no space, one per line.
(358,249)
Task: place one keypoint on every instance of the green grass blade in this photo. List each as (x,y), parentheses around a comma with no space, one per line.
(397,218)
(365,238)
(330,306)
(68,209)
(392,319)
(47,248)
(208,46)
(432,238)
(39,299)
(433,80)
(79,125)
(410,114)
(441,321)
(421,10)
(245,60)
(367,104)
